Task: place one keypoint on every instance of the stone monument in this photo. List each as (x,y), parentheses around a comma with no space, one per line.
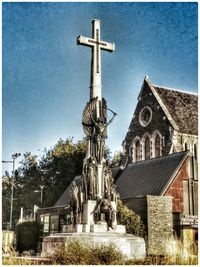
(96,198)
(94,202)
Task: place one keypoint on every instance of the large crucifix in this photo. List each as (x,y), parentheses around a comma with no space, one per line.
(96,44)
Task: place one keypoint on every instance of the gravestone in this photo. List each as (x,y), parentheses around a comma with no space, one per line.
(94,201)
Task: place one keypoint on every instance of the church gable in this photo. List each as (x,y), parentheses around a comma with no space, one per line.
(149,128)
(160,114)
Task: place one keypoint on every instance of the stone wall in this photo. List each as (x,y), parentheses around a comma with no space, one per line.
(156,213)
(158,122)
(159,223)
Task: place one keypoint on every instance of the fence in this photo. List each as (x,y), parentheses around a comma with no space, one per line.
(7,241)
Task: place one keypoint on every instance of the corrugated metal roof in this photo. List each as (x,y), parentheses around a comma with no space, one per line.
(148,177)
(116,172)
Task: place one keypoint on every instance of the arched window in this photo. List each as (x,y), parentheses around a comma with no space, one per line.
(186,146)
(195,151)
(157,146)
(137,150)
(147,148)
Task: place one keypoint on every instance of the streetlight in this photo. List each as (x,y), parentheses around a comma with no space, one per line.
(40,191)
(14,157)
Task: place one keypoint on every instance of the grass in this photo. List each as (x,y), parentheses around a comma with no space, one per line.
(75,252)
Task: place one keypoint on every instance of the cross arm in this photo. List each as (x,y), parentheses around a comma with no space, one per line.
(107,46)
(82,40)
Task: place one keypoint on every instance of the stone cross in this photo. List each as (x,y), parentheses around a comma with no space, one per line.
(96,44)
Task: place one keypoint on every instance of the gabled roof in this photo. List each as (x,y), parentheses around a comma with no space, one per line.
(149,177)
(65,197)
(181,108)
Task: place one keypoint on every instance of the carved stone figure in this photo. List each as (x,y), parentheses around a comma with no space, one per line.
(92,174)
(104,206)
(89,177)
(74,203)
(85,179)
(99,136)
(107,181)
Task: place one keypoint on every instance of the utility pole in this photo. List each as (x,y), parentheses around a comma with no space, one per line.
(14,157)
(41,193)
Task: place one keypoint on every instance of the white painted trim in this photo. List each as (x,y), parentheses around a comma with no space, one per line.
(140,116)
(137,138)
(195,143)
(175,173)
(145,135)
(162,104)
(186,140)
(155,133)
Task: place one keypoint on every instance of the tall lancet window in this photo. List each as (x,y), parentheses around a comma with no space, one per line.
(187,146)
(157,146)
(195,151)
(137,151)
(147,149)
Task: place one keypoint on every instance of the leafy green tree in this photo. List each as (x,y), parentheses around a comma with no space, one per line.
(53,172)
(59,166)
(116,160)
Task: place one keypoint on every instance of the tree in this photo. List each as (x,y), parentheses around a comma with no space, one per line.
(54,171)
(116,160)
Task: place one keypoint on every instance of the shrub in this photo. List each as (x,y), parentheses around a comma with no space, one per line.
(27,235)
(131,220)
(105,254)
(75,252)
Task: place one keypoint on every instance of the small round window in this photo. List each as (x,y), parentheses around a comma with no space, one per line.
(145,116)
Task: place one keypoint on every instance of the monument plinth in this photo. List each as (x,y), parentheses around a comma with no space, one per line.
(94,201)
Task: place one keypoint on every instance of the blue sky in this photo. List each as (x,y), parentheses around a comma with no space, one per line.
(46,75)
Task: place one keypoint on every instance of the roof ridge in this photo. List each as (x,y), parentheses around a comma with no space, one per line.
(174,89)
(181,152)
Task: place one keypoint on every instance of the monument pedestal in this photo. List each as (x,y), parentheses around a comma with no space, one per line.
(98,232)
(88,208)
(131,246)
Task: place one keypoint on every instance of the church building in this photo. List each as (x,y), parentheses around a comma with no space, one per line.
(161,155)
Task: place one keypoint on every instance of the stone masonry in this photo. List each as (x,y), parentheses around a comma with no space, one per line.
(159,223)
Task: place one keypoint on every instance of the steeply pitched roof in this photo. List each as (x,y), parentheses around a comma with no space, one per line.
(65,197)
(183,107)
(149,177)
(180,107)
